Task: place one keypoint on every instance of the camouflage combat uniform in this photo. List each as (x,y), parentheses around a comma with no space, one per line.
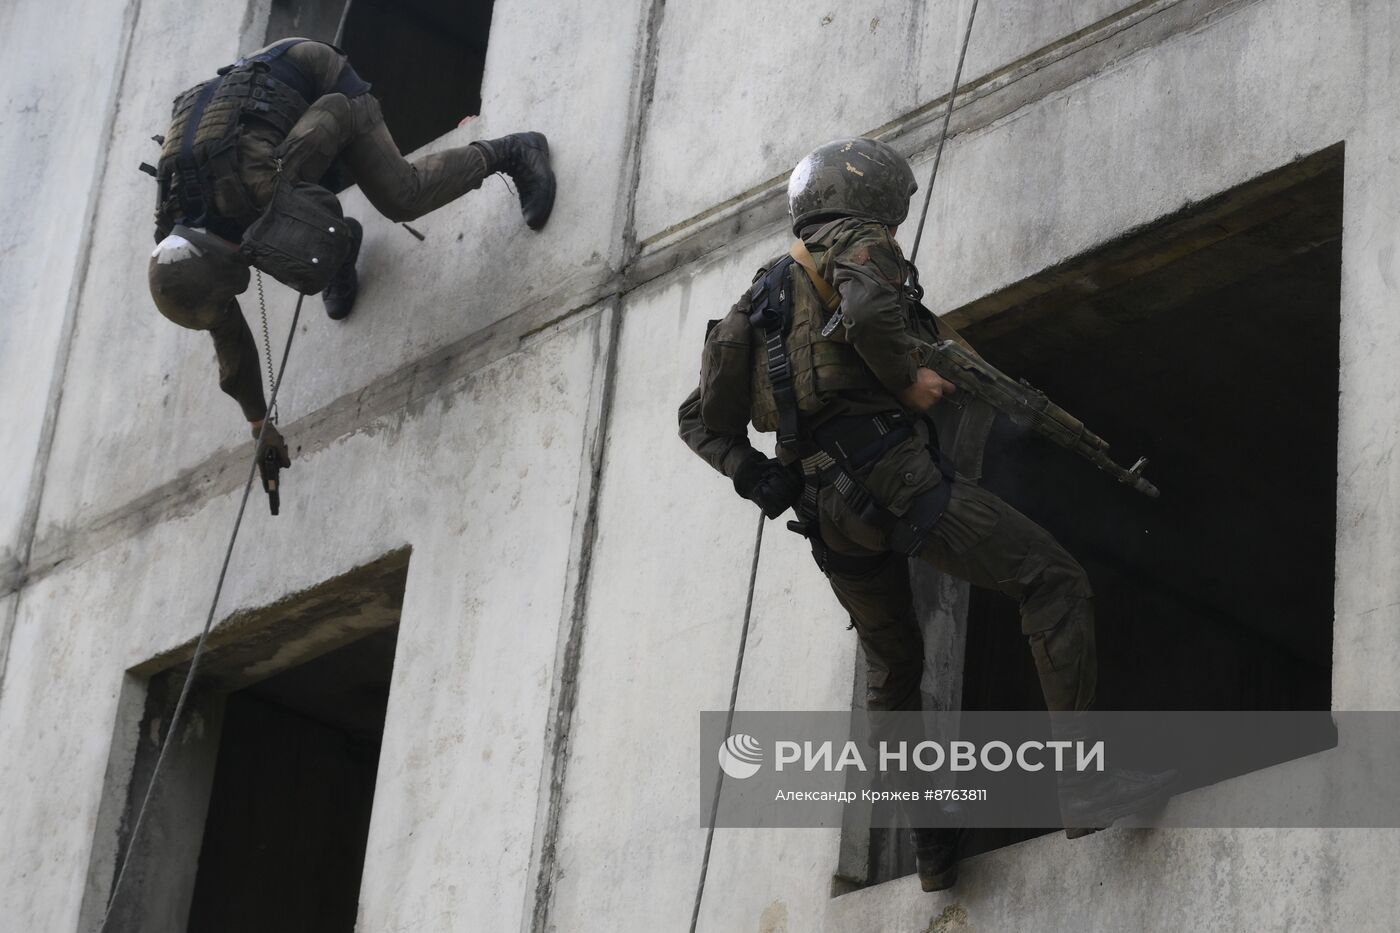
(334,127)
(863,366)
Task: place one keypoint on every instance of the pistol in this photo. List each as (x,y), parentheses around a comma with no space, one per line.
(269,466)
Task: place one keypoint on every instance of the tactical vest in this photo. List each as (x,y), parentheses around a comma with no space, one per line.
(822,365)
(198,166)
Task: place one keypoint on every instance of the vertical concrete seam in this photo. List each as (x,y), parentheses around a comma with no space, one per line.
(564,694)
(564,691)
(650,56)
(29,519)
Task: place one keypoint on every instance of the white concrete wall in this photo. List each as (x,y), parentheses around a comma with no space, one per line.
(504,402)
(57,105)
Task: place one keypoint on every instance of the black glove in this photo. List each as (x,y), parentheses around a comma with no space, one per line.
(272,440)
(775,487)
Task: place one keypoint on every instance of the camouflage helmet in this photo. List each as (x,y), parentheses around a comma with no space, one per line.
(193,275)
(851,178)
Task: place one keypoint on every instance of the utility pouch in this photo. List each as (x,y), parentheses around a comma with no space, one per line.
(301,239)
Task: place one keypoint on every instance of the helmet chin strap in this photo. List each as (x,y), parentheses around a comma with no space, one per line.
(938,153)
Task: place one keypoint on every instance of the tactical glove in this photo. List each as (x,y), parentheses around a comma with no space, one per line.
(770,484)
(272,440)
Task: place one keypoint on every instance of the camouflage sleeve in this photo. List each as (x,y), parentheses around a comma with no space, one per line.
(869,274)
(725,452)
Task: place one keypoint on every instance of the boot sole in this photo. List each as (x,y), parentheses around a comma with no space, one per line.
(549,207)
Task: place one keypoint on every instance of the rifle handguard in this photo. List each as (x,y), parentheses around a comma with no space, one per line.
(1029,407)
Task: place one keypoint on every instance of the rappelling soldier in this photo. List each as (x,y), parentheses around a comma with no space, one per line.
(248,148)
(824,350)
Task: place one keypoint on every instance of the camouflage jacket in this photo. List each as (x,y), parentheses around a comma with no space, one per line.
(887,331)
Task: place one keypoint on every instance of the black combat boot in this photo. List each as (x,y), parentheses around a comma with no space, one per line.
(339,296)
(1092,802)
(525,158)
(936,857)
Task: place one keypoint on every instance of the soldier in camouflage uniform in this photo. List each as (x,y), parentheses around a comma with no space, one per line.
(862,467)
(288,111)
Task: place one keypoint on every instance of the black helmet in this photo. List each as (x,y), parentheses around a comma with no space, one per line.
(851,178)
(193,274)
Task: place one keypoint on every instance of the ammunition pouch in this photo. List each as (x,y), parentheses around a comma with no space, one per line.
(302,239)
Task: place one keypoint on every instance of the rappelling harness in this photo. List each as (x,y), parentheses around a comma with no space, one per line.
(838,450)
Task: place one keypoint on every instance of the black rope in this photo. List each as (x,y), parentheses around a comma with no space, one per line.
(943,136)
(203,636)
(728,721)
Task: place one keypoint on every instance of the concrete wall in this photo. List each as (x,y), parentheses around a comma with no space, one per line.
(503,403)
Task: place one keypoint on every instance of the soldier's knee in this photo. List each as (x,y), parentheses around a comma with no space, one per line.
(1050,578)
(396,209)
(1069,642)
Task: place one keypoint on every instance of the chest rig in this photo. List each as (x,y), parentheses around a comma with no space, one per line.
(800,361)
(198,168)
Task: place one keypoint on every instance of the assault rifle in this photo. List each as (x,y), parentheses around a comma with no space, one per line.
(1029,407)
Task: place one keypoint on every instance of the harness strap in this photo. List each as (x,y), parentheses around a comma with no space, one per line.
(770,312)
(844,447)
(194,200)
(803,256)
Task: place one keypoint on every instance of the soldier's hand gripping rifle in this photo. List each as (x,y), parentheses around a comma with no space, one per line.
(1027,406)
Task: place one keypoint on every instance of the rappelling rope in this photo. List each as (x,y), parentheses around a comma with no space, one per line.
(204,635)
(729,720)
(758,538)
(943,134)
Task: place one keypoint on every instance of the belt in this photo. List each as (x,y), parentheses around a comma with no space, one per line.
(847,444)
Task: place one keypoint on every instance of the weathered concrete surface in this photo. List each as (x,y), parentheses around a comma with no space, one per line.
(506,801)
(468,482)
(1198,879)
(815,72)
(52,131)
(654,655)
(1368,474)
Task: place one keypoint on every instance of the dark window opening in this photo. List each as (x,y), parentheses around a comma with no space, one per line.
(1209,343)
(425,58)
(261,813)
(284,841)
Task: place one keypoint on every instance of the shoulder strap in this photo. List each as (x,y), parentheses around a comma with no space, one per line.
(803,256)
(195,202)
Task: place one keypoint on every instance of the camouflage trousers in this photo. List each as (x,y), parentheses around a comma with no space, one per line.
(352,130)
(989,544)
